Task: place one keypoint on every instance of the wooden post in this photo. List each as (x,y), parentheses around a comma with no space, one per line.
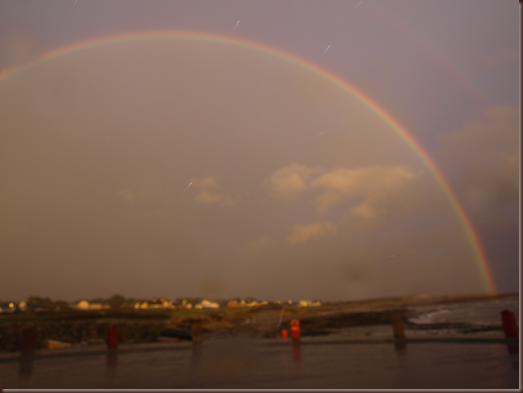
(398,326)
(197,333)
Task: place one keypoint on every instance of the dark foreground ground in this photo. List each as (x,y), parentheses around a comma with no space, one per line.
(452,342)
(254,364)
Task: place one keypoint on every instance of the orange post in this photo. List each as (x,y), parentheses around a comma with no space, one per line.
(510,325)
(113,336)
(295,329)
(284,334)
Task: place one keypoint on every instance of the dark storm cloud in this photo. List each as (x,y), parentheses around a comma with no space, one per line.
(488,179)
(481,160)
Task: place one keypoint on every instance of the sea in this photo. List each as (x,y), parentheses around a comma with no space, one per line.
(487,312)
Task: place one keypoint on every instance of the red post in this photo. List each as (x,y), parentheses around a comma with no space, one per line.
(284,334)
(28,340)
(510,325)
(295,329)
(113,336)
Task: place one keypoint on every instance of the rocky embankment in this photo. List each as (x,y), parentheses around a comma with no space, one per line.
(75,332)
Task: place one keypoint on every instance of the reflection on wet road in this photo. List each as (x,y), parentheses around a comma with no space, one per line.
(244,363)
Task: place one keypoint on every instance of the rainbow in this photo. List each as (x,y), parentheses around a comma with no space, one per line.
(324,74)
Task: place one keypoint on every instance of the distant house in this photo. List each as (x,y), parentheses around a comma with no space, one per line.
(98,306)
(185,304)
(85,305)
(153,304)
(142,305)
(82,305)
(307,303)
(207,304)
(157,303)
(236,303)
(243,303)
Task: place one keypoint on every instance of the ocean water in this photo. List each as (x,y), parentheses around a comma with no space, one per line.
(475,313)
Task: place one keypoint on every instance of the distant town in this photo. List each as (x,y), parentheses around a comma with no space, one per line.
(41,304)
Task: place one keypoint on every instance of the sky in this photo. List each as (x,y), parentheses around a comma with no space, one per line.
(317,150)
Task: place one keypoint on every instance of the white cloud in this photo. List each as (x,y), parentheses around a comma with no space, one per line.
(303,233)
(374,187)
(371,188)
(206,182)
(289,181)
(364,210)
(207,197)
(368,182)
(327,200)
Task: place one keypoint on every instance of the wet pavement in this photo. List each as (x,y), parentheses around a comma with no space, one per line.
(256,364)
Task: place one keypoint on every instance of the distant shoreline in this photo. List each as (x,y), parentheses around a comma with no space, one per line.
(356,319)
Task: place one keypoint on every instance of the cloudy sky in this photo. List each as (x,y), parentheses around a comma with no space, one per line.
(177,166)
